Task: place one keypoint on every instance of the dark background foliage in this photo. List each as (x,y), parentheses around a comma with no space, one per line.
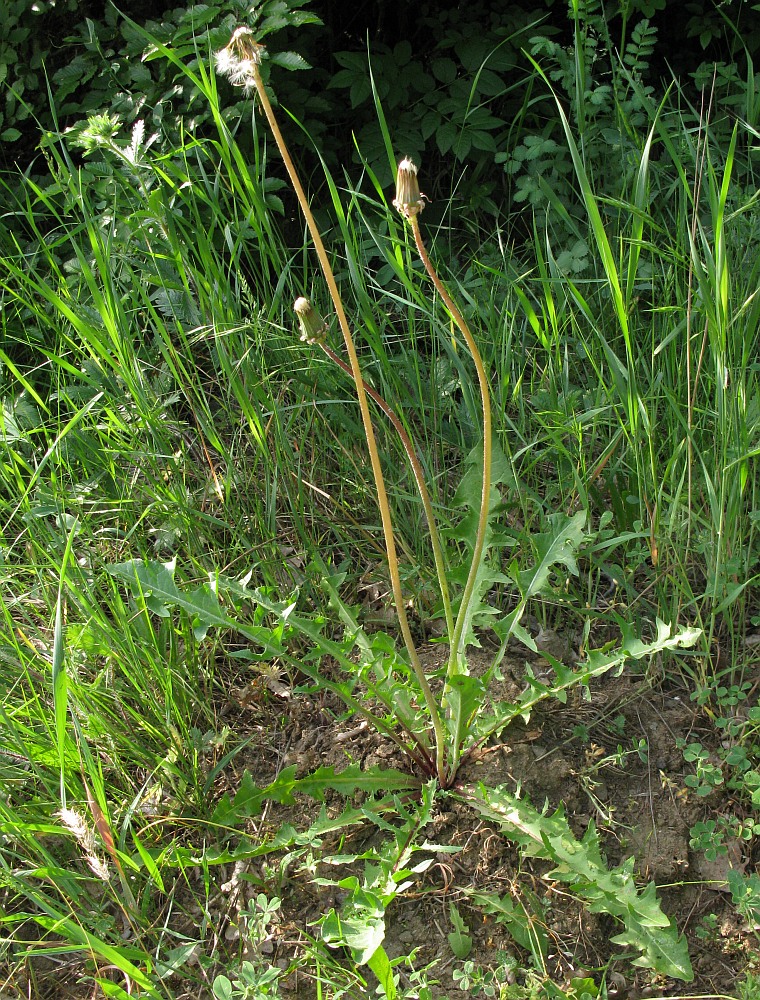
(52,71)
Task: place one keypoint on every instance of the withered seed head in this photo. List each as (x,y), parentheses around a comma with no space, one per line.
(238,59)
(408,199)
(313,327)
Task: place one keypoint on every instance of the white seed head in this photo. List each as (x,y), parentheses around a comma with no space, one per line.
(239,59)
(75,823)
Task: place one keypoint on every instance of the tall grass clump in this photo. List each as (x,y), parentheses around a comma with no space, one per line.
(662,322)
(138,417)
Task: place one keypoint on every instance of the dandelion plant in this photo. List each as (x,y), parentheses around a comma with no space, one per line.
(240,62)
(452,714)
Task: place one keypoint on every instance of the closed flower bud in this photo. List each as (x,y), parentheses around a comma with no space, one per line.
(408,199)
(313,327)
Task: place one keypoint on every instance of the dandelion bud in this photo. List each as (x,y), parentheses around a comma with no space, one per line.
(313,327)
(408,199)
(239,59)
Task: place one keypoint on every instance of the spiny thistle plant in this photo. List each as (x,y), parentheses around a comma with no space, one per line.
(454,720)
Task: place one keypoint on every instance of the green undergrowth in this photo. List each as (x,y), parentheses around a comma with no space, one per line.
(185,502)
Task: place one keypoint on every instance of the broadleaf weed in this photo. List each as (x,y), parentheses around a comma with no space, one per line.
(463,695)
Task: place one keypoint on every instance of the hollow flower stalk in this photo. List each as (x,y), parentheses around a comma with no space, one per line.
(314,331)
(240,61)
(410,202)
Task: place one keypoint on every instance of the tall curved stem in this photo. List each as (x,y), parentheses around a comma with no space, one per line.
(480,538)
(419,478)
(382,498)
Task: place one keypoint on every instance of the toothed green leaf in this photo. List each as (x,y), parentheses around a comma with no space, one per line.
(579,864)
